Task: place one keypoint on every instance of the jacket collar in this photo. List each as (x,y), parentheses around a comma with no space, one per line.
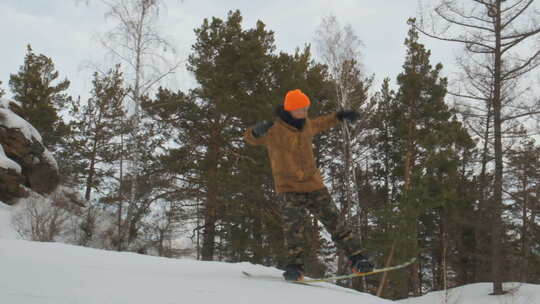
(286,117)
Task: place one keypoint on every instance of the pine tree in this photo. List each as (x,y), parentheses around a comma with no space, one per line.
(41,100)
(96,128)
(231,67)
(221,62)
(384,183)
(421,148)
(524,180)
(180,112)
(241,82)
(153,213)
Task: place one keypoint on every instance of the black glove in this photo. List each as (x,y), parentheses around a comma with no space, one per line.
(261,128)
(351,116)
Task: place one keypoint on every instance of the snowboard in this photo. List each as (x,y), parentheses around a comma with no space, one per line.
(337,278)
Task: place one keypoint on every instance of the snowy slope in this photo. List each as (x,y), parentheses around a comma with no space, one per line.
(55,273)
(479,294)
(6,228)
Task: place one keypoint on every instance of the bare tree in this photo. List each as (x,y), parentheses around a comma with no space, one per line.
(339,48)
(493,33)
(137,43)
(165,226)
(149,58)
(41,218)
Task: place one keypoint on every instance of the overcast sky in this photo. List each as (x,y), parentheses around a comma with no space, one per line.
(66,31)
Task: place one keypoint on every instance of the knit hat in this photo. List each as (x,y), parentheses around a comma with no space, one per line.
(295,99)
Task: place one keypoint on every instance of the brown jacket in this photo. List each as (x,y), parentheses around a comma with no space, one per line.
(291,153)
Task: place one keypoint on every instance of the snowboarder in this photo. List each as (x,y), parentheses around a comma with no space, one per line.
(298,181)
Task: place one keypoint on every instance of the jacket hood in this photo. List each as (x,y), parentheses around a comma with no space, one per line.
(287,117)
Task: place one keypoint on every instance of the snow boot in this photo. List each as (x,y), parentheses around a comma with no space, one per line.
(360,263)
(294,272)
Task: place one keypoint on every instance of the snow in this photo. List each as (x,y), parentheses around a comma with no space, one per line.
(518,293)
(7,163)
(4,103)
(10,119)
(54,273)
(14,121)
(49,158)
(44,273)
(6,228)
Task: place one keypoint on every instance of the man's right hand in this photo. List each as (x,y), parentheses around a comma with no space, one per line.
(261,128)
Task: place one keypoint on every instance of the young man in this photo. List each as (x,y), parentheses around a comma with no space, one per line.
(298,181)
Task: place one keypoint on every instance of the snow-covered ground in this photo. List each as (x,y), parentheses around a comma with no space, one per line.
(6,228)
(54,273)
(479,294)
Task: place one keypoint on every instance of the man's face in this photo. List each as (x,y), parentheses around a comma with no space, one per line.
(301,113)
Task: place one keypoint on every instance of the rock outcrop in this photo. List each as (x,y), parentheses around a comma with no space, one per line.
(24,161)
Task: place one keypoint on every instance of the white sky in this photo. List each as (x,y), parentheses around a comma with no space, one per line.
(66,31)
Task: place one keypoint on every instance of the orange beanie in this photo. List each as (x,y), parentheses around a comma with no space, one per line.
(295,99)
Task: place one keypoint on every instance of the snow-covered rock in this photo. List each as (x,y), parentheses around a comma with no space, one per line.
(24,160)
(10,104)
(7,163)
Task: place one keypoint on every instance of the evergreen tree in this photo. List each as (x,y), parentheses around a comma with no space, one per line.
(182,116)
(41,99)
(421,149)
(152,215)
(241,82)
(96,128)
(225,65)
(231,66)
(524,181)
(384,183)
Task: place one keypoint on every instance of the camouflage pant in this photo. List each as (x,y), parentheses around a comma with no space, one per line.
(294,210)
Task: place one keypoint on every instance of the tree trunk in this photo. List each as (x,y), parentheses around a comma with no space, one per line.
(481,233)
(411,213)
(209,233)
(496,244)
(524,235)
(382,283)
(90,179)
(258,250)
(120,196)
